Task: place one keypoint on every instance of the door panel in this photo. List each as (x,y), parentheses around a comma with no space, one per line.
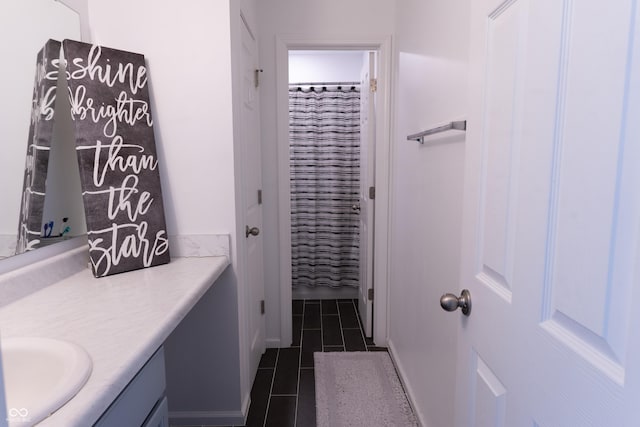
(589,139)
(499,186)
(550,249)
(490,397)
(252,183)
(367,150)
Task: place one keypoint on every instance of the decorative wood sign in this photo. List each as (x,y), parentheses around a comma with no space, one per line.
(38,147)
(117,157)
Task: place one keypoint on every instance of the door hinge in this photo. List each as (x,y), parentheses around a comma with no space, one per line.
(372,193)
(256,76)
(259,197)
(370,294)
(261,306)
(373,85)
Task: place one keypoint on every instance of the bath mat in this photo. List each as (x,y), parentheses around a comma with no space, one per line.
(360,389)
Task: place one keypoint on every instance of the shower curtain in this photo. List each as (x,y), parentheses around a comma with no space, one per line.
(324,154)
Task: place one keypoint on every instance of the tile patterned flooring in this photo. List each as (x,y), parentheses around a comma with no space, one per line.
(283,393)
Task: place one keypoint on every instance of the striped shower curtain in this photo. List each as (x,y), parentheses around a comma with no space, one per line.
(324,154)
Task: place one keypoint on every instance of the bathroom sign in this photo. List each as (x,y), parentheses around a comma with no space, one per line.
(109,95)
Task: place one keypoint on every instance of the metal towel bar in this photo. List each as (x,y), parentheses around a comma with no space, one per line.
(457,125)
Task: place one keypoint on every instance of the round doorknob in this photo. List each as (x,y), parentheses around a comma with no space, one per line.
(355,208)
(450,302)
(251,231)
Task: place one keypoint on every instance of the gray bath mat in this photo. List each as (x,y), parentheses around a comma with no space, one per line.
(359,389)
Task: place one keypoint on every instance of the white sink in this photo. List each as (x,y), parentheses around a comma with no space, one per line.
(41,375)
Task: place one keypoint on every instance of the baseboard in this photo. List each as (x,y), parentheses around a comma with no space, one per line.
(246,403)
(208,418)
(211,418)
(324,292)
(272,342)
(407,388)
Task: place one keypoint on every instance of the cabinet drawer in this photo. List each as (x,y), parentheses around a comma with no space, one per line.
(160,415)
(137,400)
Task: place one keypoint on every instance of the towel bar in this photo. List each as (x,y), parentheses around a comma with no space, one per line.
(456,125)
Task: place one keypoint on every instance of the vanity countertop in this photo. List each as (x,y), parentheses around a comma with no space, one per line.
(120,320)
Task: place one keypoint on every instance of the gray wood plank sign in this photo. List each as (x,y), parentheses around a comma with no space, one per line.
(117,157)
(38,146)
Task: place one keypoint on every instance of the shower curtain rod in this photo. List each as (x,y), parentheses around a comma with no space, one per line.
(326,84)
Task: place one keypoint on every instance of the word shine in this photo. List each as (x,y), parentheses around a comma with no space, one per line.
(122,73)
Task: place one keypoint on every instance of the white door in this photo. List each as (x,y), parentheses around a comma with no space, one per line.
(252,184)
(552,216)
(367,151)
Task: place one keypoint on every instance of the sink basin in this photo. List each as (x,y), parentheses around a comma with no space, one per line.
(41,375)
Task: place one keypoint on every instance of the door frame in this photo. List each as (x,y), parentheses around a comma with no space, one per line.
(382,171)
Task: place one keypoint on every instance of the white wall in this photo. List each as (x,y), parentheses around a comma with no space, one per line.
(187,46)
(188,53)
(82,8)
(326,21)
(427,182)
(324,66)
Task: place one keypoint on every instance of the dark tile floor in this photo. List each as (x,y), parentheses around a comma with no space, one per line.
(283,393)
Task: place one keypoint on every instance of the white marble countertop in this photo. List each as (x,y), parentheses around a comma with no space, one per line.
(119,320)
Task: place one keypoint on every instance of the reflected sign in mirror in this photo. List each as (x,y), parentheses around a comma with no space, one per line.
(25,26)
(38,148)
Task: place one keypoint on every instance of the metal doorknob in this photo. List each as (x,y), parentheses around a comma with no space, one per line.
(355,208)
(251,231)
(450,302)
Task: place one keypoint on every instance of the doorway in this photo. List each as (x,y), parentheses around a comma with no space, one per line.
(379,174)
(330,97)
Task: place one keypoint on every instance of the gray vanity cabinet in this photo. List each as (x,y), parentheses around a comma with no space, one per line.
(143,402)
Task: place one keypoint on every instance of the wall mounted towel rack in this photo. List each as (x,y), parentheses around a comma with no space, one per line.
(457,125)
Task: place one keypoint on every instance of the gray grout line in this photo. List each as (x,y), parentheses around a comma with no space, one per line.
(344,346)
(295,414)
(300,367)
(321,335)
(273,379)
(364,339)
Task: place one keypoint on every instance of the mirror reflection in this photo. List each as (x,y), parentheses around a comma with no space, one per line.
(25,27)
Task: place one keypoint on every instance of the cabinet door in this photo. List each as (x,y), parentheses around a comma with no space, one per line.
(160,415)
(133,406)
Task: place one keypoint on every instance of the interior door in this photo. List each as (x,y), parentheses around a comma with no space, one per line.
(552,213)
(252,184)
(366,208)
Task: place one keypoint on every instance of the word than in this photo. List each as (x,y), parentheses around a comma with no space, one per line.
(115,161)
(133,245)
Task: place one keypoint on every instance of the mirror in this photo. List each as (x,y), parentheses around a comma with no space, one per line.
(25,27)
